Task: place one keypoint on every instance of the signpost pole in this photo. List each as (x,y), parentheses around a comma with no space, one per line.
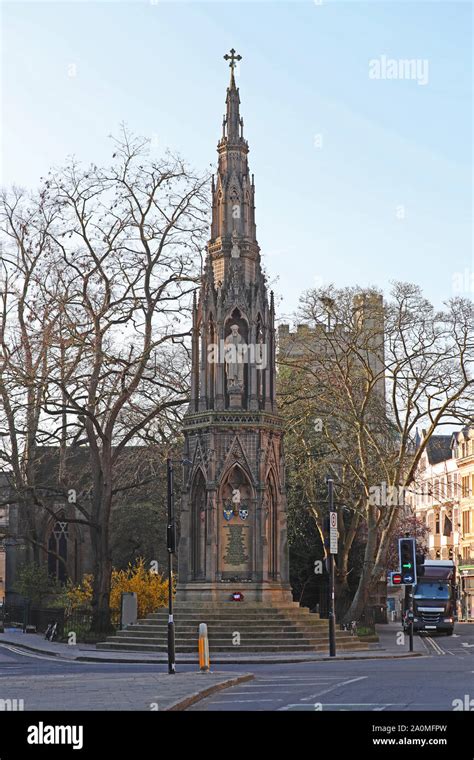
(332,552)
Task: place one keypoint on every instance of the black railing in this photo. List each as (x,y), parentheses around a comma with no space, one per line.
(77,621)
(29,615)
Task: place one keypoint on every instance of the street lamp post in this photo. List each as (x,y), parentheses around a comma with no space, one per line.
(171,544)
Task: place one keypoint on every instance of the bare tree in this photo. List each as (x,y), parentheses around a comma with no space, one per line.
(376,374)
(309,460)
(122,261)
(27,322)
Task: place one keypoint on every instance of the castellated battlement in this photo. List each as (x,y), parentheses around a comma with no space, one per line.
(369,307)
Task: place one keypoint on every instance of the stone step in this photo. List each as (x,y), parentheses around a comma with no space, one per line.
(216,631)
(249,648)
(224,614)
(216,640)
(151,630)
(288,628)
(250,606)
(148,630)
(233,625)
(187,621)
(237,615)
(222,635)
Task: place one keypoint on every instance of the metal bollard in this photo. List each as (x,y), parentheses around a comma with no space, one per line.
(204,663)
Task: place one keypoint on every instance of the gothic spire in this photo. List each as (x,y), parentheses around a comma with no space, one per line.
(233,123)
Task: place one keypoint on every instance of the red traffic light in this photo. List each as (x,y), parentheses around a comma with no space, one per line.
(396,579)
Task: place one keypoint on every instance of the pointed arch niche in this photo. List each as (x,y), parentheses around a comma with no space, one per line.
(237,318)
(271,524)
(236,524)
(199,526)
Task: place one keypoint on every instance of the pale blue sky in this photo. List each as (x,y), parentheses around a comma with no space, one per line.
(324,213)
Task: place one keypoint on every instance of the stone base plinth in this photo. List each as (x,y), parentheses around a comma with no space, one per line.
(235,397)
(270,594)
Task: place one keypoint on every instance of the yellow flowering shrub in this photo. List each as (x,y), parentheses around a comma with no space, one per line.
(80,595)
(150,587)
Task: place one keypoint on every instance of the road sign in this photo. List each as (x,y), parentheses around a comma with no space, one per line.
(395,579)
(333,532)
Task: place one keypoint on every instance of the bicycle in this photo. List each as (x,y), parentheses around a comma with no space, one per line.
(350,627)
(51,631)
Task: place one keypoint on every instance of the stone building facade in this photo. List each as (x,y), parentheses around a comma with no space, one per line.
(463,450)
(443,497)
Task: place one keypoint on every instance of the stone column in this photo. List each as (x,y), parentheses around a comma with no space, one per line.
(252,370)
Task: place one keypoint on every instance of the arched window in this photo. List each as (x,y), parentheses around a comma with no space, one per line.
(58,551)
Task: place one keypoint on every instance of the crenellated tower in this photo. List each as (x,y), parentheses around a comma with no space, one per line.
(233,515)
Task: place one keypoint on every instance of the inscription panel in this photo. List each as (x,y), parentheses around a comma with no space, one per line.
(235,547)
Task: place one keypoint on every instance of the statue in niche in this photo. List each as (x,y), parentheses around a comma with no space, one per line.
(236,497)
(235,252)
(234,356)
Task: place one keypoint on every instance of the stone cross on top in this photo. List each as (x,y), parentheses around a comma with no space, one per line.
(232,58)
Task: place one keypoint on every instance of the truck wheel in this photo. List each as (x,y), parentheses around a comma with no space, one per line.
(449,633)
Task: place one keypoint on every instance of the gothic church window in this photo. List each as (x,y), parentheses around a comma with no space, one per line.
(58,551)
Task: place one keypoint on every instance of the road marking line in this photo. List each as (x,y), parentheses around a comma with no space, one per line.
(375,705)
(24,653)
(427,649)
(435,646)
(240,701)
(368,704)
(259,685)
(271,679)
(336,686)
(55,658)
(254,693)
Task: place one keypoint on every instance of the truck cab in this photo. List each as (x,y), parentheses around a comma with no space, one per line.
(434,597)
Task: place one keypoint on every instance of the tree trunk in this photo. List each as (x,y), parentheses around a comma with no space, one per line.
(366,579)
(102,561)
(342,594)
(101,622)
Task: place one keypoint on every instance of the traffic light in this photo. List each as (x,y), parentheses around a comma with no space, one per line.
(407,553)
(395,579)
(420,565)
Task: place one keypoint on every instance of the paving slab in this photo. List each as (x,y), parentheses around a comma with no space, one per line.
(115,691)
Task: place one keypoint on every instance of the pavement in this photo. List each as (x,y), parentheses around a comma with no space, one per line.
(387,647)
(31,681)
